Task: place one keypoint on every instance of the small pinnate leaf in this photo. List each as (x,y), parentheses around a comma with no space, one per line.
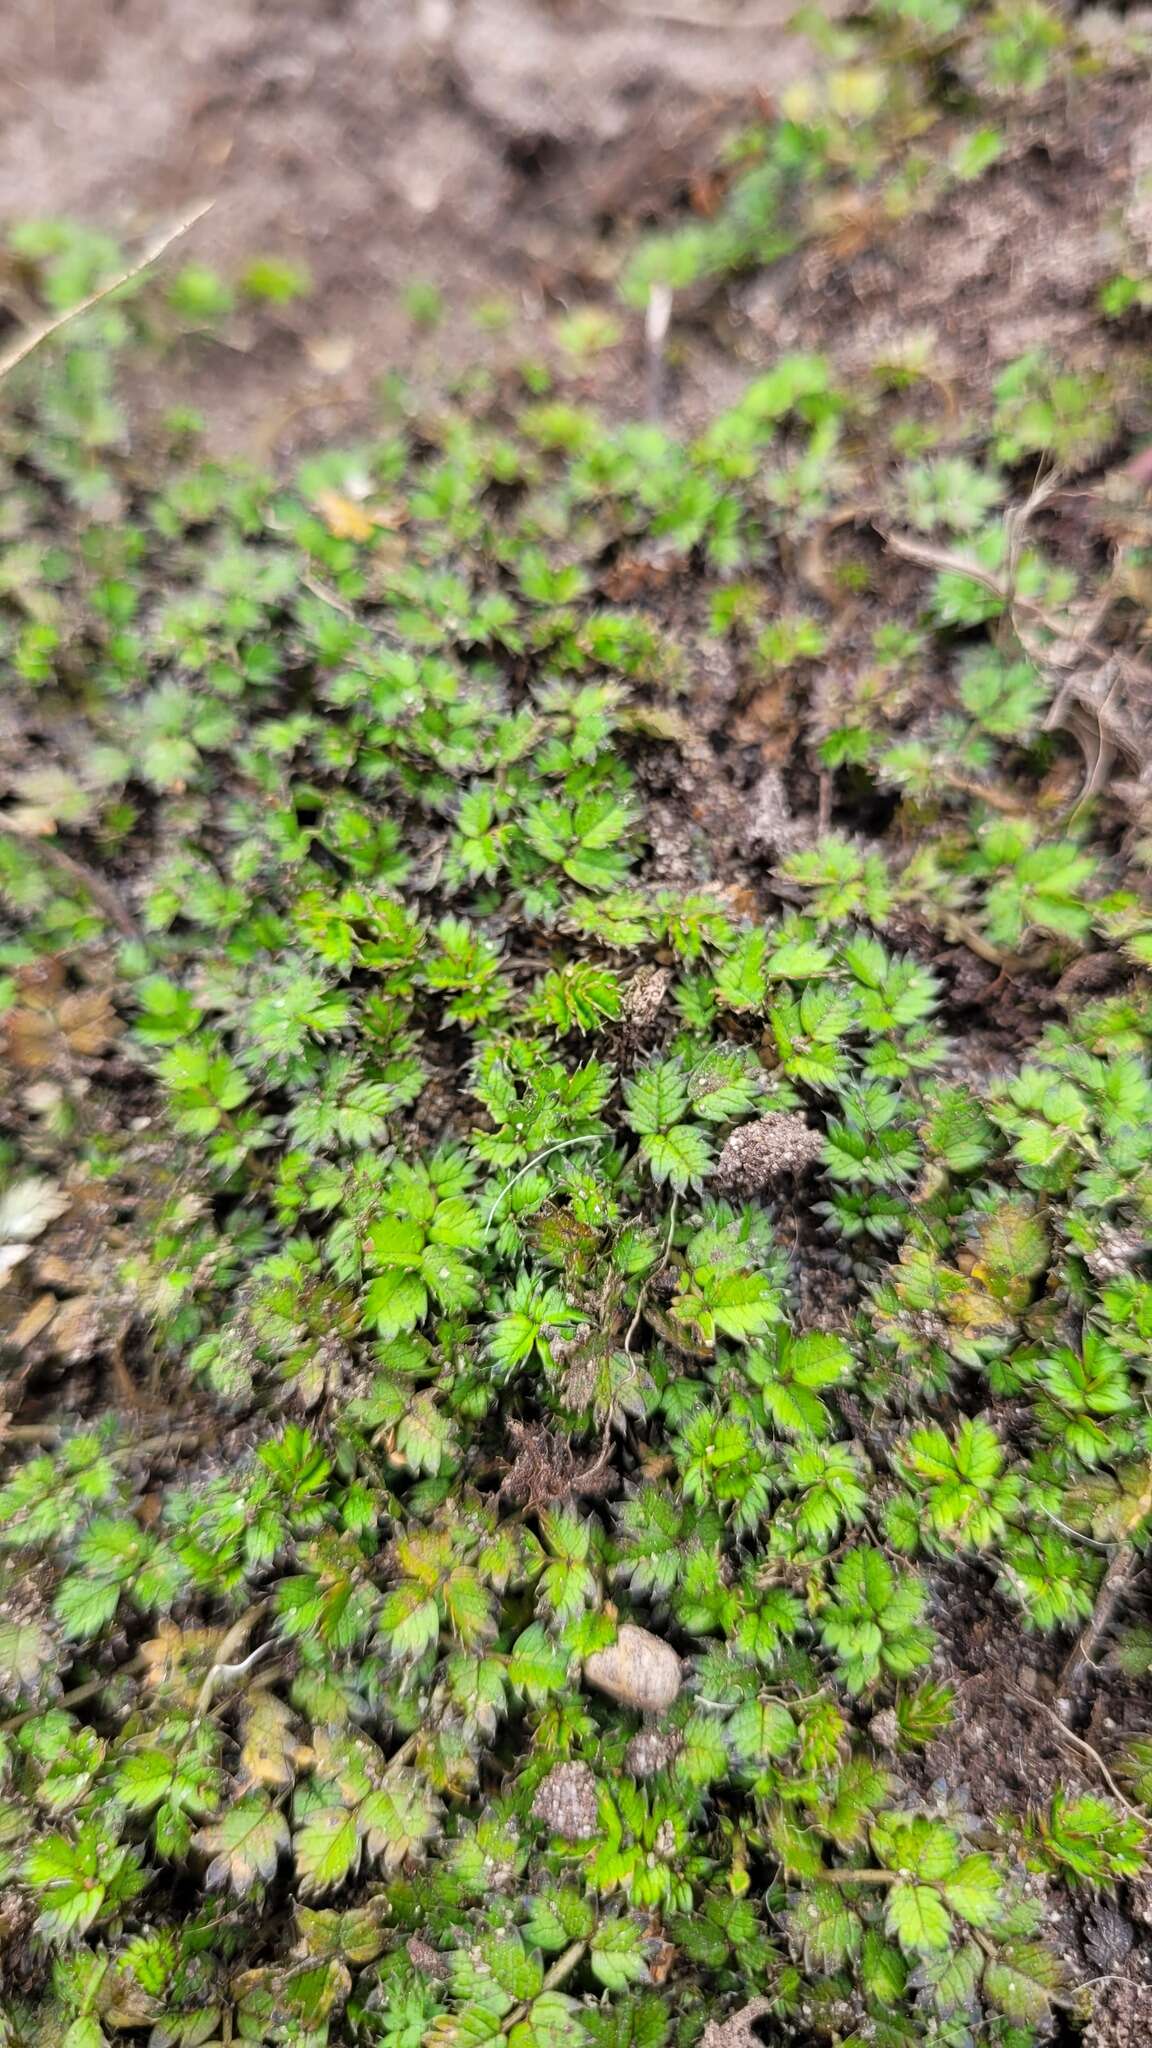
(617,1954)
(1019,1980)
(679,1156)
(244,1845)
(269,1751)
(918,1918)
(552,2022)
(27,1657)
(326,1848)
(398,1818)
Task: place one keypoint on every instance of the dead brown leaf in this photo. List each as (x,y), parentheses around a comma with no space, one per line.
(33,1322)
(660,1967)
(49,1030)
(175,1660)
(348,519)
(269,1753)
(344,518)
(78,1328)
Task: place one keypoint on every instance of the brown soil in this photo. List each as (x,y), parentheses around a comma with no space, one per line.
(492,147)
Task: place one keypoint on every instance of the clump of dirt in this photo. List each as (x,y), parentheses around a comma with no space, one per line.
(652,1749)
(759,1153)
(1003,1751)
(567,1802)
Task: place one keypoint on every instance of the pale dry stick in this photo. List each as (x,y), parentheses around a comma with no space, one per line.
(1078,1742)
(1077,1535)
(699,17)
(950,564)
(220,1666)
(31,1433)
(988,793)
(1081,640)
(561,1970)
(1016,522)
(151,253)
(1105,751)
(945,561)
(960,932)
(330,597)
(168,1440)
(101,892)
(55,1433)
(1110,1977)
(1113,1586)
(1123,1568)
(1018,518)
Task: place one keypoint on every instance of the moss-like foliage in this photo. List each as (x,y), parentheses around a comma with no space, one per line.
(521,1196)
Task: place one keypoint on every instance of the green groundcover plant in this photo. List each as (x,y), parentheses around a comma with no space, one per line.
(513,1237)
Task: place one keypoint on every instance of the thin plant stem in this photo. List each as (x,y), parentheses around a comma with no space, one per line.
(150,254)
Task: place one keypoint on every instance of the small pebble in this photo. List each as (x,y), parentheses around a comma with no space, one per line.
(639,1669)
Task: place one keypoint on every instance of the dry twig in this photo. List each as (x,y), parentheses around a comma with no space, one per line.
(102,893)
(220,1667)
(151,253)
(1086,1749)
(1113,1586)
